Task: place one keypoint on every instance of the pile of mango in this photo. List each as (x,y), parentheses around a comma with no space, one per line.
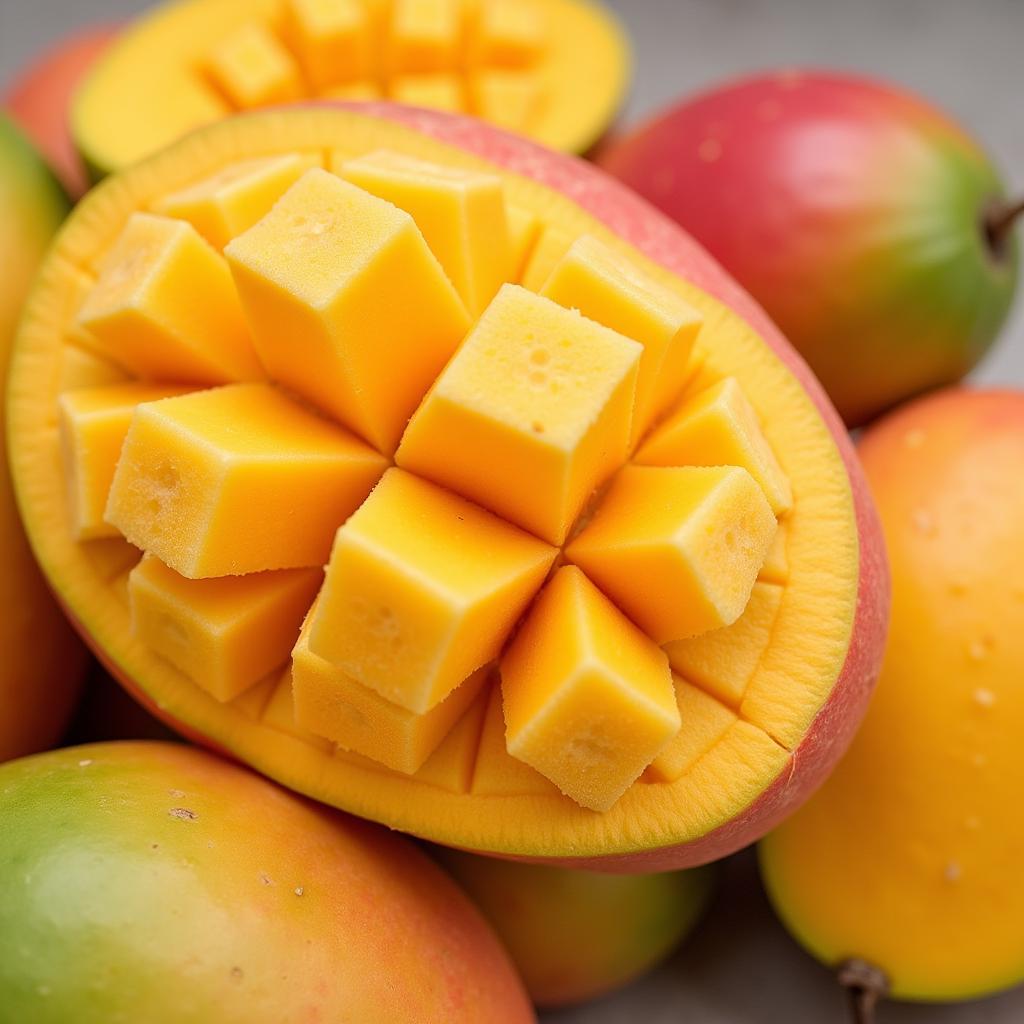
(373,465)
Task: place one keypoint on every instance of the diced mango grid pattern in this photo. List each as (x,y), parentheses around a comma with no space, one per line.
(593,531)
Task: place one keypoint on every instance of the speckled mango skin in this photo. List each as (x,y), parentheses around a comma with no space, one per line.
(147,881)
(910,855)
(575,935)
(43,661)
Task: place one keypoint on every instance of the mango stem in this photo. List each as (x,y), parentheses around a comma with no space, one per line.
(865,984)
(998,223)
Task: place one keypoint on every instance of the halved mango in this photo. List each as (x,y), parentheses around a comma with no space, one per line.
(516,562)
(553,70)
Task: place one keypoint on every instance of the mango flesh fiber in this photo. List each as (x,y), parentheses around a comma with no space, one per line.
(414,662)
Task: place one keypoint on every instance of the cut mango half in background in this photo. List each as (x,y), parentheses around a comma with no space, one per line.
(554,70)
(569,572)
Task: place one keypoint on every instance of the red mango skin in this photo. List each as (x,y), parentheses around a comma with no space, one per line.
(42,662)
(40,96)
(852,211)
(577,935)
(663,241)
(150,881)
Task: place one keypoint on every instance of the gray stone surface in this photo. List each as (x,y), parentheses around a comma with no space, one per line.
(740,967)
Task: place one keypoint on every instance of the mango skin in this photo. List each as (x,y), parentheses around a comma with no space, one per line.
(851,210)
(576,935)
(39,100)
(910,855)
(148,881)
(43,661)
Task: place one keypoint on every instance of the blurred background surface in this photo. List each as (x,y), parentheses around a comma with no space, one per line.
(740,967)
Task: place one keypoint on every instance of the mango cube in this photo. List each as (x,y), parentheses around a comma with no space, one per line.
(333,40)
(232,200)
(507,34)
(331,704)
(678,549)
(254,69)
(605,287)
(348,306)
(236,480)
(724,661)
(361,91)
(93,425)
(524,228)
(547,252)
(422,589)
(426,35)
(461,214)
(165,307)
(436,91)
(224,634)
(705,722)
(776,565)
(531,415)
(509,99)
(589,700)
(718,427)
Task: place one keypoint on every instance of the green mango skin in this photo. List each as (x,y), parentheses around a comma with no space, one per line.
(575,935)
(852,210)
(149,882)
(43,661)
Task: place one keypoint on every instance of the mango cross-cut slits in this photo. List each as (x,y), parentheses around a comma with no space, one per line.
(435,91)
(426,35)
(225,634)
(93,425)
(347,305)
(331,704)
(236,480)
(509,99)
(507,34)
(589,700)
(135,315)
(719,427)
(232,200)
(531,516)
(533,448)
(333,38)
(460,213)
(594,280)
(688,561)
(253,68)
(423,588)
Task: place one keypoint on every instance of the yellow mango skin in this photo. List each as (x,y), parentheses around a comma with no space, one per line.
(910,855)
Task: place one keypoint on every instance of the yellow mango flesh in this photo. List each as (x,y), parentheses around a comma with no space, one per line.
(909,856)
(555,70)
(591,278)
(689,562)
(231,201)
(316,278)
(718,427)
(460,213)
(411,612)
(457,791)
(534,449)
(588,697)
(208,482)
(225,634)
(93,425)
(135,316)
(332,704)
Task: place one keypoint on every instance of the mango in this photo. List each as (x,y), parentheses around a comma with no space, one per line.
(42,669)
(150,881)
(576,935)
(526,642)
(904,869)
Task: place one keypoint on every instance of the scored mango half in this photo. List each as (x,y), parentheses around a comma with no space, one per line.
(571,570)
(554,70)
